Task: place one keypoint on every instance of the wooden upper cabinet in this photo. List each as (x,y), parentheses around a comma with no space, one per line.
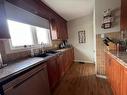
(53,27)
(4,34)
(59,29)
(62,29)
(123,14)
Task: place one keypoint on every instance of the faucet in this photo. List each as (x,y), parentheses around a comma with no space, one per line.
(43,47)
(1,62)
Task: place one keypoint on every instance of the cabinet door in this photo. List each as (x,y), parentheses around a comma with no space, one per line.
(117,77)
(124,84)
(66,61)
(108,66)
(52,72)
(60,63)
(72,56)
(35,85)
(4,34)
(65,32)
(53,26)
(123,14)
(62,29)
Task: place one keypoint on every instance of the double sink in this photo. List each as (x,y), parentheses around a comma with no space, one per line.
(46,54)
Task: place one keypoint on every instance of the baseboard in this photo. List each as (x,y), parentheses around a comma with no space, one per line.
(101,76)
(83,61)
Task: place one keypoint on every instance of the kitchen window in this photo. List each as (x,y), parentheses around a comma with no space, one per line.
(46,39)
(25,35)
(20,34)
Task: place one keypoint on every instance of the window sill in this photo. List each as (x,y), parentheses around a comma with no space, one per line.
(10,50)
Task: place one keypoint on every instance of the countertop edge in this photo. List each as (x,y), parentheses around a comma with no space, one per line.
(117,59)
(9,77)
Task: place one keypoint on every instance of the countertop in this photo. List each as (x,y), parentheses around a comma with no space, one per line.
(121,57)
(20,66)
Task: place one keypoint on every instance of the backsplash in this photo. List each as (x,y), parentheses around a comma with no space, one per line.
(100,56)
(20,55)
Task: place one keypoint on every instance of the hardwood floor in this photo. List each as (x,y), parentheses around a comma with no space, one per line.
(81,80)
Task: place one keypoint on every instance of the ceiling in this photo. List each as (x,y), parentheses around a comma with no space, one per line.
(71,9)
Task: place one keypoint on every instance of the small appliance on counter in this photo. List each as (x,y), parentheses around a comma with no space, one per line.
(64,44)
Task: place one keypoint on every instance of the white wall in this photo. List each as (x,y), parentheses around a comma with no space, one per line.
(100,6)
(83,52)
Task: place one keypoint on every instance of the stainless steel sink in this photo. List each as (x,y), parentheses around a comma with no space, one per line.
(51,52)
(42,55)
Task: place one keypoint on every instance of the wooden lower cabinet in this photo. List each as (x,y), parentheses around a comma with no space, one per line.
(38,81)
(116,75)
(58,66)
(68,58)
(53,75)
(34,82)
(61,65)
(124,82)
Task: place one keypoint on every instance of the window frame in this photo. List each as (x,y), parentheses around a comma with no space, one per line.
(9,48)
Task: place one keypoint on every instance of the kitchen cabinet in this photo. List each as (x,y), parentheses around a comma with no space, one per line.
(62,29)
(58,25)
(124,82)
(123,14)
(109,67)
(58,66)
(34,6)
(34,82)
(69,58)
(37,7)
(61,65)
(4,34)
(65,60)
(116,77)
(114,72)
(53,75)
(59,29)
(54,32)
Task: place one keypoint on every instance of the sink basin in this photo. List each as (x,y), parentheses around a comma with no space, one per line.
(51,52)
(42,55)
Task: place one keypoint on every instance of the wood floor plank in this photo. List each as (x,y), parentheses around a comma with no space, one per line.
(81,80)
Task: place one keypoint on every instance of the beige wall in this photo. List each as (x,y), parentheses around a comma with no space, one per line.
(83,52)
